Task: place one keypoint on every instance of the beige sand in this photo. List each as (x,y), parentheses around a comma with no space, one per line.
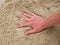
(11,35)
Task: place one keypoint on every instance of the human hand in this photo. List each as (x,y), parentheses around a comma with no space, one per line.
(35,21)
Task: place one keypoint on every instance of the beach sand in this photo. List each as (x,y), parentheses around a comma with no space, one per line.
(11,35)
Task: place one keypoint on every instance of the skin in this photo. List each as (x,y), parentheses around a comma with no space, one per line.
(38,23)
(54,19)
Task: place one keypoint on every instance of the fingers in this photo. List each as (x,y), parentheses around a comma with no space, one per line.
(34,14)
(25,14)
(18,18)
(23,25)
(31,32)
(23,19)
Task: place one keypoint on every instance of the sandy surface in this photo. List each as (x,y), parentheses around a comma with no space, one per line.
(11,35)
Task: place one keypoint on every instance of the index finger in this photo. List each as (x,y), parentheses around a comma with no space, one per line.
(25,14)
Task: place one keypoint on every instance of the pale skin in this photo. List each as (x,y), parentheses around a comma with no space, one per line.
(38,23)
(54,19)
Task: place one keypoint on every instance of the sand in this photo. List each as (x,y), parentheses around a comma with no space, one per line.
(11,35)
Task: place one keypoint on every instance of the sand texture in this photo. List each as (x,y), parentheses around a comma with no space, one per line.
(11,35)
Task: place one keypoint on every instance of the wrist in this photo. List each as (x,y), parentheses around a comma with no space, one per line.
(47,23)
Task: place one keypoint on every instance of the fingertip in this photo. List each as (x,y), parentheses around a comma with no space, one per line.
(26,33)
(18,26)
(29,32)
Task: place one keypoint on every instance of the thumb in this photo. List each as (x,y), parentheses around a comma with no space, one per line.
(31,32)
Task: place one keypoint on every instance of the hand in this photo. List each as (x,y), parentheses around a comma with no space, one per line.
(35,21)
